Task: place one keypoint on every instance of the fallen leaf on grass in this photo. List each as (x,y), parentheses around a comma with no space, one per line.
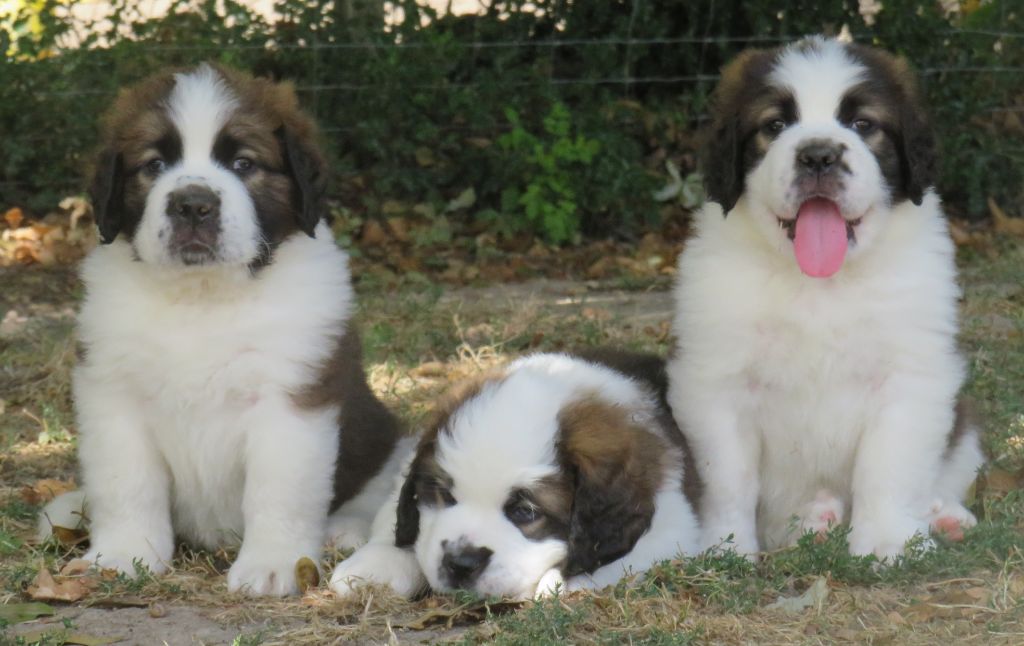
(472,612)
(57,636)
(45,588)
(15,613)
(13,217)
(1002,222)
(43,491)
(76,567)
(306,574)
(1001,481)
(69,537)
(814,596)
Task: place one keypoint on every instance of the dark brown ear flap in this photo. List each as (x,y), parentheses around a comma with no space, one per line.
(722,162)
(722,145)
(917,153)
(407,524)
(617,468)
(305,166)
(107,194)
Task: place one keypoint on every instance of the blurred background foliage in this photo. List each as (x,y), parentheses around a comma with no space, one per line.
(557,118)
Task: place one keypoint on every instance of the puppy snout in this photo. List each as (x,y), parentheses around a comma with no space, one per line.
(194,203)
(819,156)
(462,564)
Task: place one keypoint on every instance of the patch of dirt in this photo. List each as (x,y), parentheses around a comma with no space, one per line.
(180,625)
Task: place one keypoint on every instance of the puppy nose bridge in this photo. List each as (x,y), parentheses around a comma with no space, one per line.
(819,155)
(193,202)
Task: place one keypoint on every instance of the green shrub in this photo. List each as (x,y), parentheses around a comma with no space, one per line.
(421,110)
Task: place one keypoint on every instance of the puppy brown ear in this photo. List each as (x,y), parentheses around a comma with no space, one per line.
(617,468)
(722,145)
(305,166)
(917,150)
(407,525)
(107,194)
(722,163)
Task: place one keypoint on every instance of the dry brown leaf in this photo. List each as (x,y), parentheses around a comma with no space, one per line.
(960,235)
(399,228)
(1002,222)
(14,217)
(307,576)
(1001,481)
(69,537)
(43,491)
(373,233)
(76,567)
(45,588)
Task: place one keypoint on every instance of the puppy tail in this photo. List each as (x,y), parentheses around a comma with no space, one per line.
(68,510)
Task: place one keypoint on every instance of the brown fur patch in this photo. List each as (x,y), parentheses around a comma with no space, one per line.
(729,146)
(965,424)
(649,370)
(618,467)
(369,431)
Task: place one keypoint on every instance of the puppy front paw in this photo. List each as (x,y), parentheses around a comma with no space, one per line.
(721,536)
(123,552)
(379,564)
(886,539)
(266,571)
(550,584)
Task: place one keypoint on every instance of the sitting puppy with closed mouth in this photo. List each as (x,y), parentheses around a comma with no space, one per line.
(557,472)
(220,394)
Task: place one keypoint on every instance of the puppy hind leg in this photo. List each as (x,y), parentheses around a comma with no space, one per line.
(948,517)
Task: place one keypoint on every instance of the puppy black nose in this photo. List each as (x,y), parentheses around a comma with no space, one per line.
(819,156)
(194,203)
(463,565)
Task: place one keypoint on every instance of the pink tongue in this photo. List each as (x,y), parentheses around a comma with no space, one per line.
(820,240)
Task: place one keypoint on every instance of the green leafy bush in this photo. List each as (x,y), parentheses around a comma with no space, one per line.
(550,163)
(561,116)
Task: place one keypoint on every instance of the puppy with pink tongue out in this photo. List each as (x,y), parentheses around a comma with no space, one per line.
(817,375)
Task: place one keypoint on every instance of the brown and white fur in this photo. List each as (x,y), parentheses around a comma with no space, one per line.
(220,395)
(558,472)
(809,401)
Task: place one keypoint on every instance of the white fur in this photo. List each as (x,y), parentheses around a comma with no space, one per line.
(503,439)
(788,385)
(184,402)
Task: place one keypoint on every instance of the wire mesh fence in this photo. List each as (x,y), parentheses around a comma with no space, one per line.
(637,81)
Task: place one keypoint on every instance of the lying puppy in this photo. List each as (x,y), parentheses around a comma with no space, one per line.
(556,472)
(220,394)
(817,373)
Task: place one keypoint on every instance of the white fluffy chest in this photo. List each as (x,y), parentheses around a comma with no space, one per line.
(805,364)
(203,361)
